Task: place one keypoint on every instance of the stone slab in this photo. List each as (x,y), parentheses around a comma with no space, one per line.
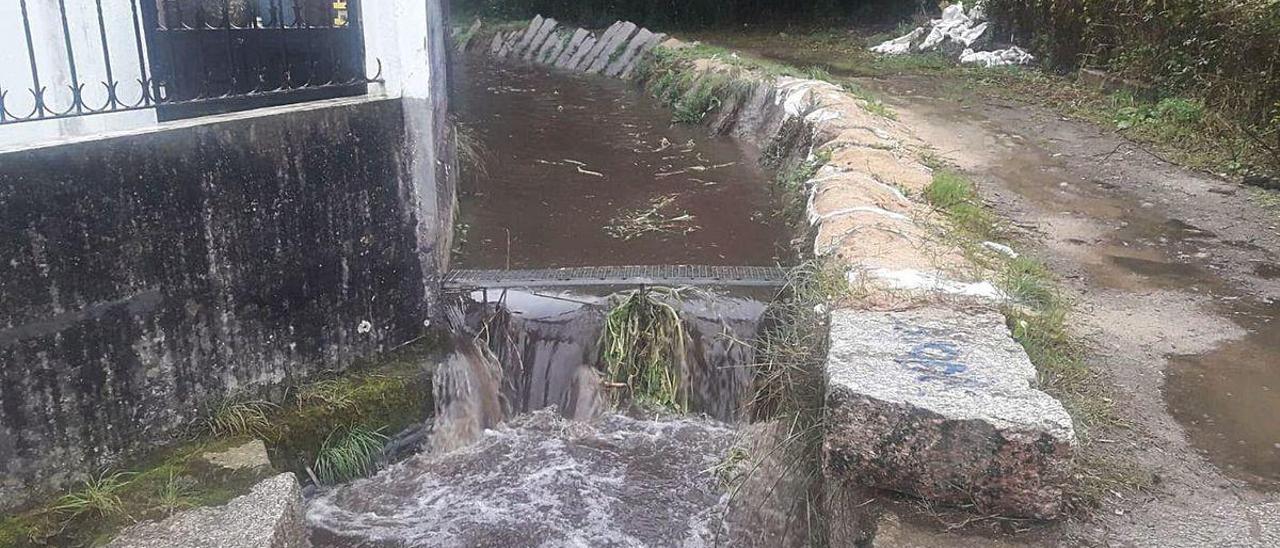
(539,39)
(588,44)
(270,516)
(644,50)
(250,456)
(611,46)
(620,64)
(584,62)
(510,43)
(534,26)
(579,36)
(941,404)
(551,50)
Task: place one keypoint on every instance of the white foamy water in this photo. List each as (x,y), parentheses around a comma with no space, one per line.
(542,480)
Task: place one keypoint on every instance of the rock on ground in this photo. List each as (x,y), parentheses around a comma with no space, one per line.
(940,404)
(250,456)
(270,516)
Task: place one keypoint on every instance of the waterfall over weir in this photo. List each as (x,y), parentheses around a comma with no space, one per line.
(528,450)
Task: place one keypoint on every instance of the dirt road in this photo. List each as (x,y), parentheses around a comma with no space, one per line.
(1174,277)
(1176,284)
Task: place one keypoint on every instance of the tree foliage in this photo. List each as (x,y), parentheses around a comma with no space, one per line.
(1226,52)
(683,14)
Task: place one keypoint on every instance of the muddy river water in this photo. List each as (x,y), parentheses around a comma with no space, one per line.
(589,171)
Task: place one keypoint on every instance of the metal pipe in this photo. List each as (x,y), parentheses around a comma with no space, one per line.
(144,80)
(76,100)
(36,88)
(106,58)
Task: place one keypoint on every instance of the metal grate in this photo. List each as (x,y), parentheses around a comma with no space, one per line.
(677,275)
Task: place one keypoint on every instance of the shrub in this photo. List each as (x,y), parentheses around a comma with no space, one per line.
(1223,51)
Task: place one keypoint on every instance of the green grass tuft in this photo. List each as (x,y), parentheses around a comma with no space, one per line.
(98,497)
(956,196)
(349,453)
(232,418)
(336,394)
(789,390)
(176,494)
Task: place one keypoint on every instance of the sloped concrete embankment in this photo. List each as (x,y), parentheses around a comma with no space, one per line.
(928,392)
(616,52)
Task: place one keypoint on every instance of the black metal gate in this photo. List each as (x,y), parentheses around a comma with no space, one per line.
(212,56)
(195,57)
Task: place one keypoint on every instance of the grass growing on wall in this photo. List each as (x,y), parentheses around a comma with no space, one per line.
(336,420)
(789,392)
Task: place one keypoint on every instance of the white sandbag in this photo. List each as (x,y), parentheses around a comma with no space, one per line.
(968,36)
(954,23)
(998,58)
(901,44)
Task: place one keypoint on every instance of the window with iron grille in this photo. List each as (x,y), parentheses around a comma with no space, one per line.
(185,58)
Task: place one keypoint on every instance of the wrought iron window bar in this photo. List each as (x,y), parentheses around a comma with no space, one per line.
(194,62)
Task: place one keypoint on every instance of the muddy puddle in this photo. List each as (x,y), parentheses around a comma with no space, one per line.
(589,171)
(1229,398)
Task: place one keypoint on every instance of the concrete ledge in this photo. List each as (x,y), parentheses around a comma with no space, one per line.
(178,125)
(940,404)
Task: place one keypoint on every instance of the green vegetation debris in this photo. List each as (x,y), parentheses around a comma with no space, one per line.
(660,217)
(643,350)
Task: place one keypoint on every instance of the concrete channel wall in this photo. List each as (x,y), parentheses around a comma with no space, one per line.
(149,273)
(145,277)
(928,392)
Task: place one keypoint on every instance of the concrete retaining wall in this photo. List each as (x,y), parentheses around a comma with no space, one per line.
(147,276)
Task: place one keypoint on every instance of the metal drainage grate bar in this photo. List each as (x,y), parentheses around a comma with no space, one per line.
(678,275)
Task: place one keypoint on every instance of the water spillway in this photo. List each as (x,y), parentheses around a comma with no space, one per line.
(534,442)
(565,466)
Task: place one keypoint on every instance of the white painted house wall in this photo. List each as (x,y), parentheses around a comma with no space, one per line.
(50,50)
(395,32)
